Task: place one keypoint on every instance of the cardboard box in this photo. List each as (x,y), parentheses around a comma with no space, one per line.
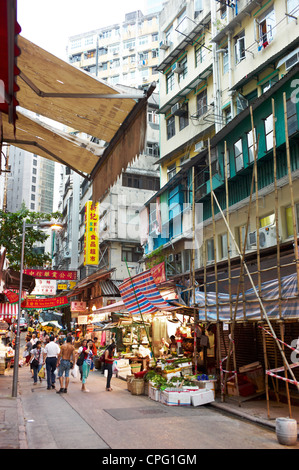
(201,397)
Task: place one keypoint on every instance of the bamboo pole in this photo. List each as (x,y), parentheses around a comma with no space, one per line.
(256,205)
(266,378)
(232,332)
(281,326)
(215,262)
(291,189)
(195,313)
(278,250)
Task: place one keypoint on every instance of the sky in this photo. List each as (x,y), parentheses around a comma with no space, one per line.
(49,23)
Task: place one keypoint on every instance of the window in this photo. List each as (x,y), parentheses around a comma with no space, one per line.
(266,24)
(289,220)
(168,35)
(152,149)
(225,62)
(32,205)
(240,47)
(34,171)
(170,127)
(171,171)
(150,183)
(155,53)
(33,188)
(197,7)
(184,118)
(267,85)
(154,37)
(184,67)
(200,54)
(33,179)
(153,117)
(227,114)
(76,44)
(169,82)
(143,40)
(268,220)
(88,40)
(107,34)
(238,150)
(130,254)
(210,249)
(227,164)
(223,245)
(292,117)
(250,143)
(269,132)
(202,103)
(129,44)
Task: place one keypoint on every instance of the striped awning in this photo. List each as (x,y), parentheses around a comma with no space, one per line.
(8,311)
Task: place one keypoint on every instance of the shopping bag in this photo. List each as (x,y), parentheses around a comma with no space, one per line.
(41,373)
(74,371)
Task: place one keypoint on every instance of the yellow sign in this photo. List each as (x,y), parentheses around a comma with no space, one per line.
(91,235)
(62,287)
(72,284)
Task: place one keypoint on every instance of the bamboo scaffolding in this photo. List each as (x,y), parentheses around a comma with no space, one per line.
(291,188)
(266,378)
(258,297)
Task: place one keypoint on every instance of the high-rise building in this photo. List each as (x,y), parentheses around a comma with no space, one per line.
(125,53)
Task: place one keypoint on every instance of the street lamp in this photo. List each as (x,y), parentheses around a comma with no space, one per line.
(55,226)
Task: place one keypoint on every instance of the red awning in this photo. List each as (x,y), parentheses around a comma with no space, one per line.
(8,311)
(9,30)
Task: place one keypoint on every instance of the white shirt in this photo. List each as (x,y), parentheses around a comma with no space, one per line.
(52,349)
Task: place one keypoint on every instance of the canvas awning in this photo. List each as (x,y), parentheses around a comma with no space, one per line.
(69,96)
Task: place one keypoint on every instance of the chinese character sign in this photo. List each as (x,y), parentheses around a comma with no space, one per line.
(91,236)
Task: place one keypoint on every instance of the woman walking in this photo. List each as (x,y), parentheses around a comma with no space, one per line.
(88,355)
(37,360)
(109,353)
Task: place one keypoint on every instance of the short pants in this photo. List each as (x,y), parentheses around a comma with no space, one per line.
(64,367)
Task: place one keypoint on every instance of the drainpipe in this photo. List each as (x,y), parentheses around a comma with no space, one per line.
(216,89)
(230,81)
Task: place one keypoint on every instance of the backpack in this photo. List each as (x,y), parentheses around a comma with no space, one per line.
(80,359)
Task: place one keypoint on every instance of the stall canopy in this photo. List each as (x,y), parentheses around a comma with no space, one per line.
(56,90)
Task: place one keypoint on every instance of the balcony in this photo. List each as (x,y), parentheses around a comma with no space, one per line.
(242,9)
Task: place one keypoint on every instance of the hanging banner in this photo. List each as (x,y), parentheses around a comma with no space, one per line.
(91,235)
(12,297)
(44,287)
(51,302)
(50,274)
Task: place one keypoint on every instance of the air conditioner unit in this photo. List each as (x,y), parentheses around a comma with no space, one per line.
(164,45)
(199,146)
(177,68)
(179,109)
(267,236)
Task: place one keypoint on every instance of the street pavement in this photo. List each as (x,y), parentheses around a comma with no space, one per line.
(119,421)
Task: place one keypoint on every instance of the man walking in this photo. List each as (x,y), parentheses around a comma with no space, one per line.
(51,350)
(66,361)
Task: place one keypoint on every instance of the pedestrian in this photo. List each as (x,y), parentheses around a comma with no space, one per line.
(52,350)
(109,353)
(67,352)
(88,355)
(37,360)
(27,349)
(34,339)
(84,344)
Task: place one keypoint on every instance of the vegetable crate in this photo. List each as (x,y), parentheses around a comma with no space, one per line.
(153,392)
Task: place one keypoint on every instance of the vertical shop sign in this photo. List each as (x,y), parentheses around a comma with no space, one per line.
(91,235)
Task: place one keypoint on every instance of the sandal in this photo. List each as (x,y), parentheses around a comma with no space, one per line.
(109,389)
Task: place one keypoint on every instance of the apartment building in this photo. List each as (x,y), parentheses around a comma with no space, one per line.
(123,53)
(218,59)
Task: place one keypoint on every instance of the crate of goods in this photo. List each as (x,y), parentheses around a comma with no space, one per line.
(135,367)
(129,382)
(137,387)
(122,368)
(153,392)
(175,397)
(2,367)
(201,397)
(169,373)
